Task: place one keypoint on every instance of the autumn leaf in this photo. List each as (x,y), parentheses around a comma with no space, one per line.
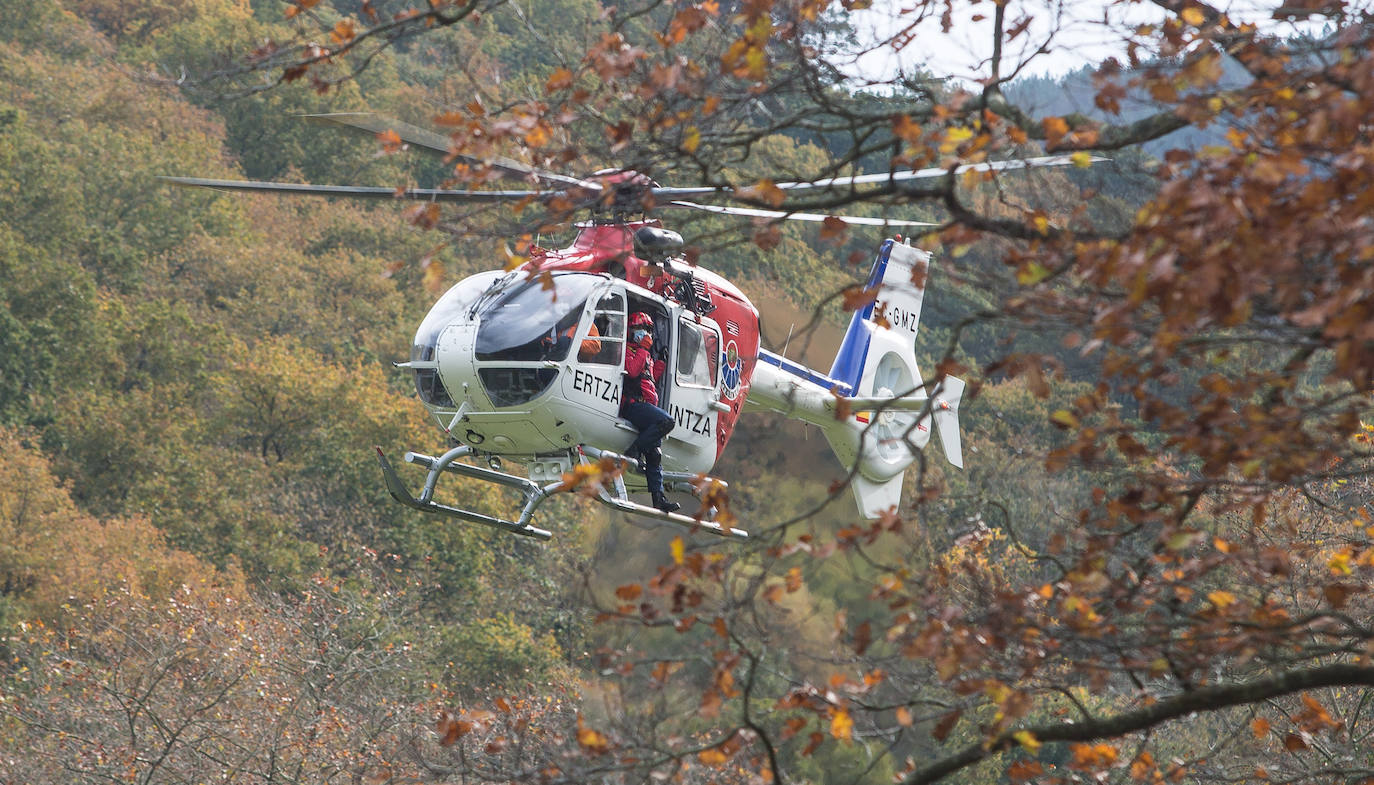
(1221,599)
(945,725)
(678,549)
(591,740)
(712,756)
(1024,770)
(691,140)
(1027,739)
(833,229)
(856,297)
(560,79)
(344,31)
(1093,756)
(863,636)
(1064,419)
(391,141)
(763,191)
(451,729)
(842,725)
(1055,130)
(1294,743)
(1338,594)
(1193,15)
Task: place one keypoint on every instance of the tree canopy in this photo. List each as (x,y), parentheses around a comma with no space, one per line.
(1157,566)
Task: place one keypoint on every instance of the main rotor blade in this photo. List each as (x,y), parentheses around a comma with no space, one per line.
(367,191)
(935,171)
(881,177)
(438,143)
(857,220)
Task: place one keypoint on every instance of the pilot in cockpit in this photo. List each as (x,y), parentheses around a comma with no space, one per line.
(558,340)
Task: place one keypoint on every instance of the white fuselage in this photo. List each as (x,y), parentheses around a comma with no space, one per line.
(526,373)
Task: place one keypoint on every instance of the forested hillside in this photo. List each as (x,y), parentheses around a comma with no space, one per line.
(1155,566)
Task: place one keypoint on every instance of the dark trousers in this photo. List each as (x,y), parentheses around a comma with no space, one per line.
(653,424)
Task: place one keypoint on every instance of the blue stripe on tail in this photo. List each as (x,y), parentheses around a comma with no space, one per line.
(849,362)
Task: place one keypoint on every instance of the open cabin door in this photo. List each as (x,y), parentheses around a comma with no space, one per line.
(694,369)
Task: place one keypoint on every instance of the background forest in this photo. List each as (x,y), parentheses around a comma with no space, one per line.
(1155,566)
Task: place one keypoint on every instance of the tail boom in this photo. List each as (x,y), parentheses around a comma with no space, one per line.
(873,407)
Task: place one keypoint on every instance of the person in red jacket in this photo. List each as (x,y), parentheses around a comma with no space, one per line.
(639,405)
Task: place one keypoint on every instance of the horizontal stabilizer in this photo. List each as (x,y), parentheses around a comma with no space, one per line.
(876,498)
(946,410)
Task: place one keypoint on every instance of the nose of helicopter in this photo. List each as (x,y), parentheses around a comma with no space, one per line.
(488,360)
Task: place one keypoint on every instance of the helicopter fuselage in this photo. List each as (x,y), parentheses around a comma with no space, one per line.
(528,365)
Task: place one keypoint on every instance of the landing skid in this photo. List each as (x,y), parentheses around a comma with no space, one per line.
(616,497)
(534,494)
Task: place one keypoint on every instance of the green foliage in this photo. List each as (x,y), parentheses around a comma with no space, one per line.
(496,651)
(46,308)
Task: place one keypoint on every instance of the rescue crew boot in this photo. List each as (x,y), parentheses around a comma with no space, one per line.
(665,504)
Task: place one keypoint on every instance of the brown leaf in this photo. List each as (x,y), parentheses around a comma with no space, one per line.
(857,297)
(451,729)
(833,229)
(945,725)
(591,740)
(344,31)
(560,79)
(391,141)
(1055,130)
(863,636)
(1338,594)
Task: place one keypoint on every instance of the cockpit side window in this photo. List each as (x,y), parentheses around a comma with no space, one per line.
(698,348)
(604,343)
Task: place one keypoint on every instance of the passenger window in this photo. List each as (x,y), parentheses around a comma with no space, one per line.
(697,350)
(605,339)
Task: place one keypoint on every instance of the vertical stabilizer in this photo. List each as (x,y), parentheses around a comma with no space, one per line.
(878,360)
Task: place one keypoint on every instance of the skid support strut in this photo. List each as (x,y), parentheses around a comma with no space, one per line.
(676,480)
(534,493)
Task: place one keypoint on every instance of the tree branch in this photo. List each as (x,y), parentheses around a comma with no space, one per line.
(1202,699)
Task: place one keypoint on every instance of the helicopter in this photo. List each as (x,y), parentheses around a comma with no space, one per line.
(525,366)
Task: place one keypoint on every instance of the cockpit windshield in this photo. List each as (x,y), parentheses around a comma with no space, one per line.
(446,311)
(531,323)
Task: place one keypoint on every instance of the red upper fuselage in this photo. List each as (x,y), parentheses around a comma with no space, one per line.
(610,248)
